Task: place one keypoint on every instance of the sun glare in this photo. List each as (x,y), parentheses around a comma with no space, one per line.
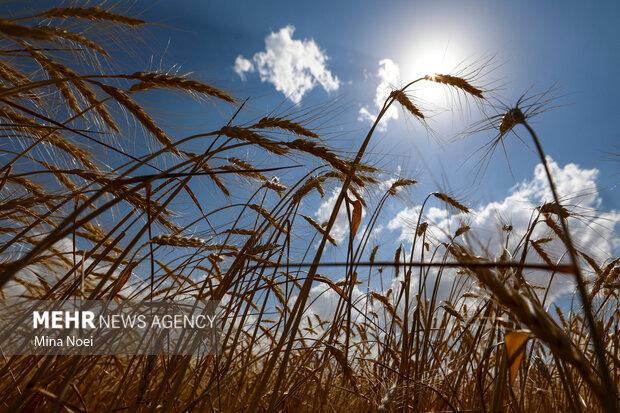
(444,52)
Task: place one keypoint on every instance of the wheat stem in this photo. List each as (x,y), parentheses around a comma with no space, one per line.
(610,401)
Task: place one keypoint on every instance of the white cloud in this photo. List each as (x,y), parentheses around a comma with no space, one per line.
(242,66)
(389,75)
(593,231)
(45,275)
(573,184)
(294,67)
(386,183)
(341,226)
(404,221)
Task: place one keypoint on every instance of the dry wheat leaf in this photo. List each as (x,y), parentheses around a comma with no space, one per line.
(356,217)
(122,280)
(332,285)
(515,349)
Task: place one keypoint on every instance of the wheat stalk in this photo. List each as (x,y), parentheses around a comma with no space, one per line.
(177,240)
(89,13)
(400,96)
(285,124)
(451,201)
(457,82)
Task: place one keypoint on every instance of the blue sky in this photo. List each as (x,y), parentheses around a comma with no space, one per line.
(535,46)
(571,44)
(348,57)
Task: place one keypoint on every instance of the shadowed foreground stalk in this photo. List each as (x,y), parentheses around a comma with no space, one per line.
(299,307)
(610,400)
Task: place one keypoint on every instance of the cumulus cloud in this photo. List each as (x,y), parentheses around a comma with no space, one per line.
(46,274)
(593,231)
(243,66)
(389,76)
(341,226)
(292,66)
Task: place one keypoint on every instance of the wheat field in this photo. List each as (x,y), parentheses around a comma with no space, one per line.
(99,202)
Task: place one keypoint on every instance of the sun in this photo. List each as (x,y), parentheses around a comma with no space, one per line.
(444,51)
